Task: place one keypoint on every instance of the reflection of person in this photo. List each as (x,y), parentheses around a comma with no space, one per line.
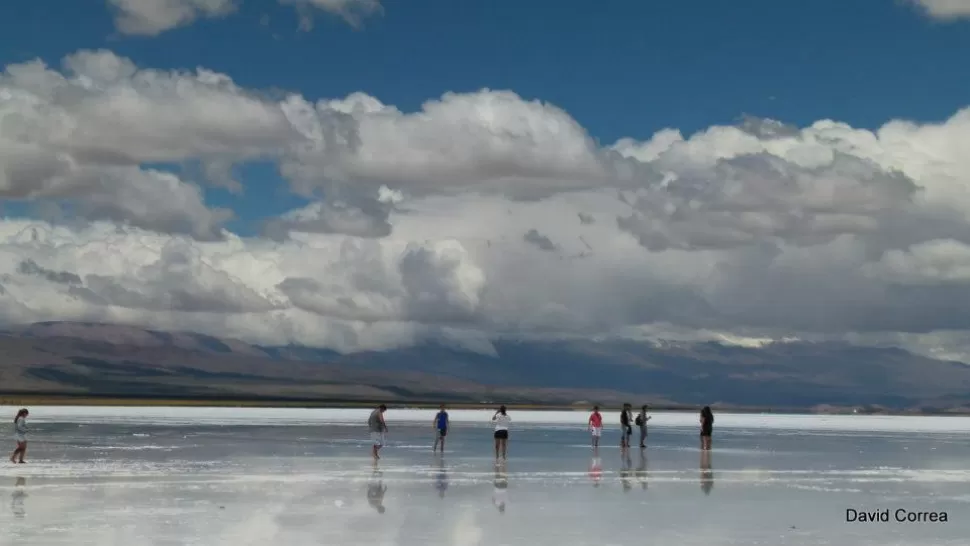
(641,422)
(441,478)
(17,498)
(378,428)
(376,490)
(20,436)
(596,426)
(707,427)
(596,469)
(707,475)
(642,470)
(626,472)
(500,497)
(502,422)
(441,429)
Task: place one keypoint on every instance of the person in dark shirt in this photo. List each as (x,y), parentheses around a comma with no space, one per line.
(707,427)
(378,428)
(641,422)
(441,429)
(626,429)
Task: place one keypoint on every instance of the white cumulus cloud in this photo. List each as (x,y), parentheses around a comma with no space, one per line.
(945,9)
(478,214)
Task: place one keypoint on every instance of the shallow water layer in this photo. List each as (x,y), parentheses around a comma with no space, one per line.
(138,476)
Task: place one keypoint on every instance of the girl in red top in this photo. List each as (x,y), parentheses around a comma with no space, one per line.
(596,426)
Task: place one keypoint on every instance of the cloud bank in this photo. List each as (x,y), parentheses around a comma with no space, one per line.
(153,17)
(480,214)
(945,10)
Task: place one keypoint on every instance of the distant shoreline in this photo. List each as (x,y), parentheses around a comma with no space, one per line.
(37,399)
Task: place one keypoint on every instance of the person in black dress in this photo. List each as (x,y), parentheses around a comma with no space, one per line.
(707,427)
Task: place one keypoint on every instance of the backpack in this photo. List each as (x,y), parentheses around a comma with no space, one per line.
(639,420)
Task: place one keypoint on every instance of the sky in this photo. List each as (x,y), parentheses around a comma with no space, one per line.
(366,174)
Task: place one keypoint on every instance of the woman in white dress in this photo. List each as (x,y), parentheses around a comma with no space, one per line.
(20,435)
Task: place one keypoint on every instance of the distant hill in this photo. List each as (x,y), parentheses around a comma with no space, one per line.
(99,359)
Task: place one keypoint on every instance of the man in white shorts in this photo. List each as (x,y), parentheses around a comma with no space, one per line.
(377,427)
(596,426)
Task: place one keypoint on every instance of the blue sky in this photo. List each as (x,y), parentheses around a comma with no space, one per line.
(621,68)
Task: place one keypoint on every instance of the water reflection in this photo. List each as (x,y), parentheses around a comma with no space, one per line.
(642,469)
(441,477)
(707,475)
(500,497)
(626,471)
(596,469)
(376,489)
(17,498)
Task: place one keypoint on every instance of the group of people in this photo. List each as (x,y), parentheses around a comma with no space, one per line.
(502,422)
(626,429)
(377,426)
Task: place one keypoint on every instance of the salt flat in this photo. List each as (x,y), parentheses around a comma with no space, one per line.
(211,476)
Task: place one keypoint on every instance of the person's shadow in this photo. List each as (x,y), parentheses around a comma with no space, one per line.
(707,475)
(641,473)
(17,498)
(500,496)
(376,489)
(441,477)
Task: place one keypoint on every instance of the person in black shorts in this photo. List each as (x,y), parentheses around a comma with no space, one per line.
(502,422)
(707,427)
(441,427)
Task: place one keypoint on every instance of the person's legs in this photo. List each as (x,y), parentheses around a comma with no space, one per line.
(378,442)
(505,447)
(643,436)
(18,454)
(498,444)
(442,436)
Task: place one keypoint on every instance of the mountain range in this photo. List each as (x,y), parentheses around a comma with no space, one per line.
(88,359)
